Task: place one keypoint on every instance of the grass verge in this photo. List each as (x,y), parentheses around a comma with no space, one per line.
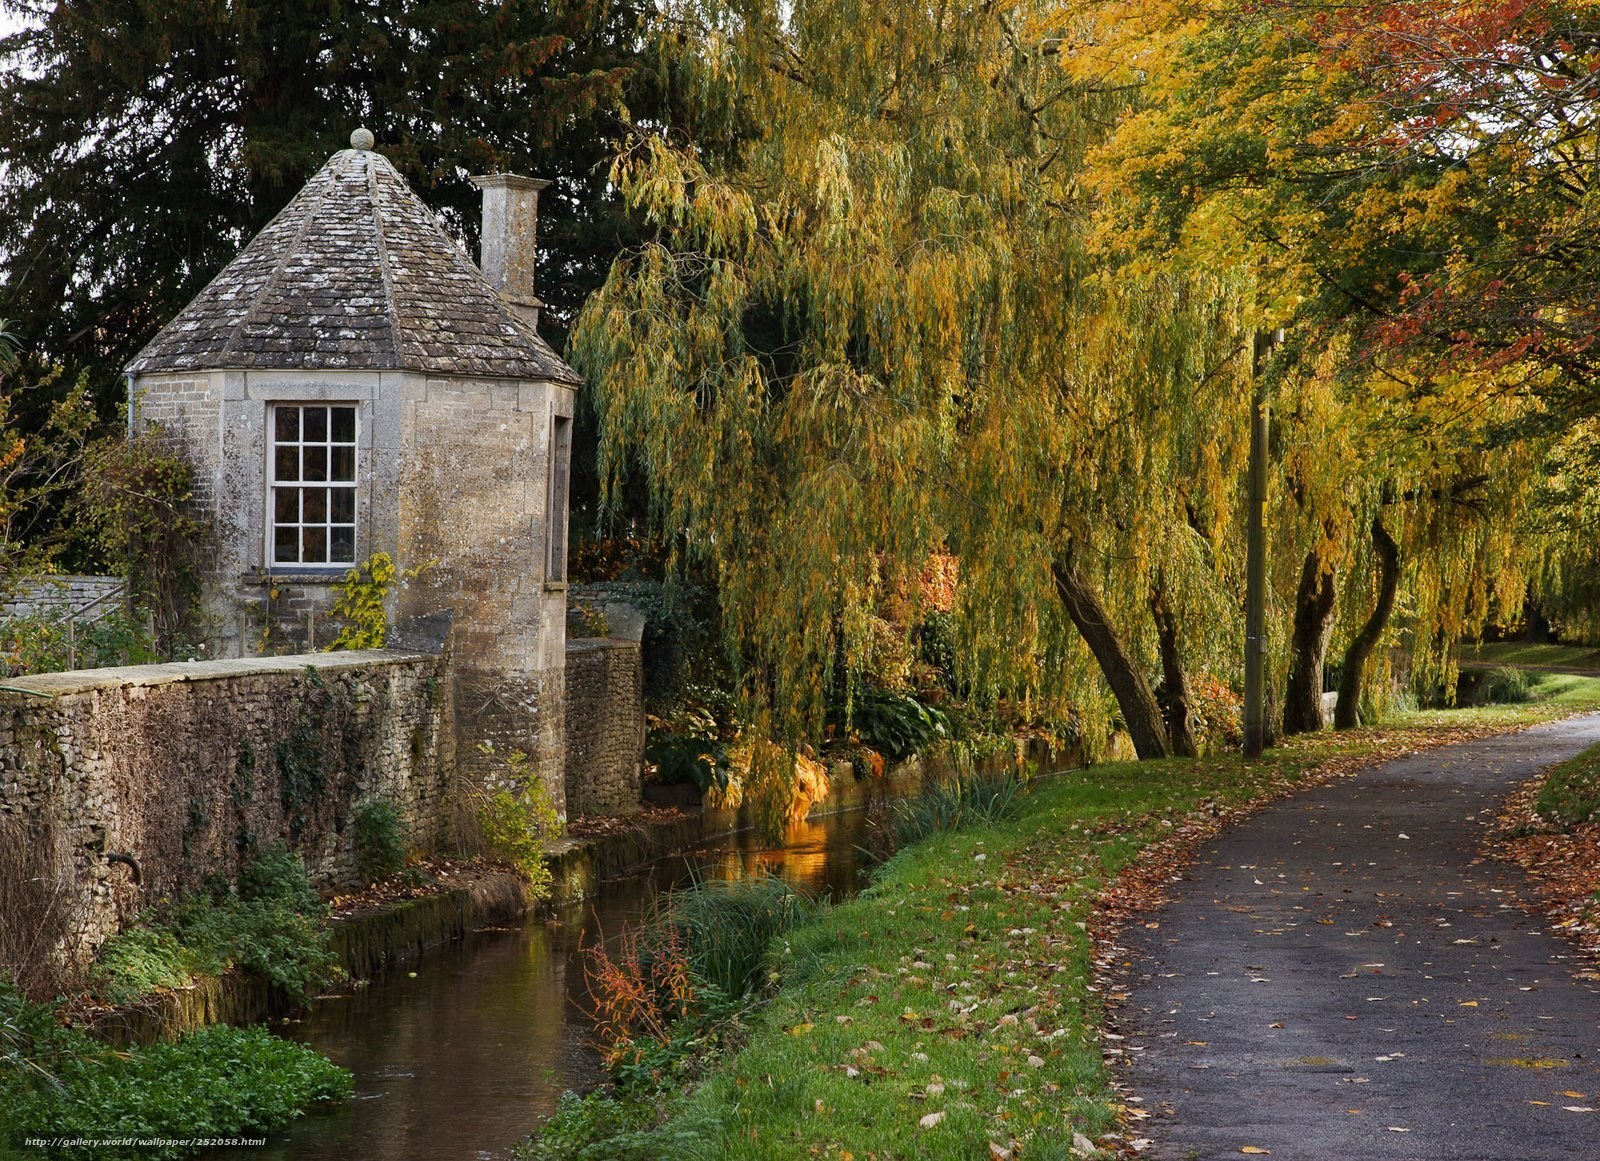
(951,1010)
(1524,653)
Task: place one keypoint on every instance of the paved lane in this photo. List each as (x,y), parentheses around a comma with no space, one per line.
(1341,978)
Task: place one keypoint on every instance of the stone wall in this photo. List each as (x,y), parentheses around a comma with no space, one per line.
(605,726)
(64,594)
(188,767)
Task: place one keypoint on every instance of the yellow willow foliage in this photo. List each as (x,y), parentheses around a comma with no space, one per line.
(870,325)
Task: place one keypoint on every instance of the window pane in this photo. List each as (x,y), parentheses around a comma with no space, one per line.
(286,465)
(344,425)
(344,464)
(314,463)
(314,506)
(343,546)
(344,505)
(285,505)
(315,425)
(287,423)
(285,541)
(314,545)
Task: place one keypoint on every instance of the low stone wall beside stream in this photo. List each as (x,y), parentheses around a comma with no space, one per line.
(169,774)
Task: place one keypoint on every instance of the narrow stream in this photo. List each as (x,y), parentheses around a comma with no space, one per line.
(464,1056)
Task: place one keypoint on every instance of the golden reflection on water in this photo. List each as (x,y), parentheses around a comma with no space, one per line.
(802,860)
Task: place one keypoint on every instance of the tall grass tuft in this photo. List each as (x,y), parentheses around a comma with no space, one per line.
(726,928)
(1505,685)
(969,800)
(695,958)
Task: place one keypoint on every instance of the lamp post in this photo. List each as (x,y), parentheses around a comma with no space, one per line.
(1255,592)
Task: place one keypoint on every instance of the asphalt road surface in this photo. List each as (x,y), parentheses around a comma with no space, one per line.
(1343,978)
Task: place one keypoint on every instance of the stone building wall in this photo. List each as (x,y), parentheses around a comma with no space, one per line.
(188,767)
(605,726)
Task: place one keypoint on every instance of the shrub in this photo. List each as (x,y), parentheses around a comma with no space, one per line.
(692,758)
(896,725)
(955,803)
(47,642)
(380,840)
(516,820)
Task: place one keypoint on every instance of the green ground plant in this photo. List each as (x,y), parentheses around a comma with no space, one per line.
(139,961)
(55,1081)
(272,924)
(381,839)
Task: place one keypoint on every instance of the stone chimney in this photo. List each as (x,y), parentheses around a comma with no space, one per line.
(510,231)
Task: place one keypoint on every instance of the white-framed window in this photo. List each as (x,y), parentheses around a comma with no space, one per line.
(560,469)
(311,484)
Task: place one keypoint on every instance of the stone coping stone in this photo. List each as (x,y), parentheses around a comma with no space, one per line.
(122,676)
(599,644)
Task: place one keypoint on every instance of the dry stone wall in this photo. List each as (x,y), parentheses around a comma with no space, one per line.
(186,768)
(64,595)
(605,726)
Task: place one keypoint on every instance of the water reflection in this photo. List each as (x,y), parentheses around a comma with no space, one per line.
(463,1058)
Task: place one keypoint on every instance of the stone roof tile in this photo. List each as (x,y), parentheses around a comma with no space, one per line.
(354,273)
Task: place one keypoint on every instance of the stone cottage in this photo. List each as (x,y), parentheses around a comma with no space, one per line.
(351,384)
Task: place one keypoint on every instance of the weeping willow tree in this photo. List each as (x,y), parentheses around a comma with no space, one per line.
(874,321)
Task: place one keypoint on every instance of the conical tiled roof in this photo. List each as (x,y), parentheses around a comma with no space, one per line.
(355,273)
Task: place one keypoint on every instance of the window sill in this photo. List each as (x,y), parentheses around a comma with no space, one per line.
(556,586)
(302,576)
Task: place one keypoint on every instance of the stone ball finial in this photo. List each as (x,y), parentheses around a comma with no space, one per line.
(361,139)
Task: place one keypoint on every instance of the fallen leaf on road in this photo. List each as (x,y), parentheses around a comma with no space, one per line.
(1577,1096)
(1253,1149)
(1397,1129)
(1577,1108)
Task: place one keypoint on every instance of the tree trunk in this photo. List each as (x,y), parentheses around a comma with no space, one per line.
(1180,701)
(1140,712)
(1348,714)
(1313,621)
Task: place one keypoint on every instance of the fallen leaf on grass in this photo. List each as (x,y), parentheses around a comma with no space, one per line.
(801,1029)
(931,1120)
